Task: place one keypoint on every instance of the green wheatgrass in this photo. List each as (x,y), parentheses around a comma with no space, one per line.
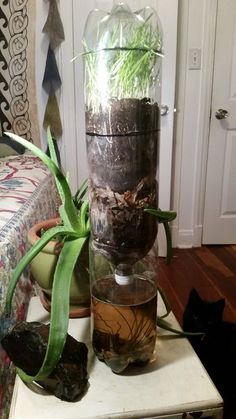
(131,69)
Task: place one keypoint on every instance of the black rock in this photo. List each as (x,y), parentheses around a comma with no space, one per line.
(26,347)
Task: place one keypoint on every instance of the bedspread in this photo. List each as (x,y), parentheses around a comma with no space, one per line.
(27,195)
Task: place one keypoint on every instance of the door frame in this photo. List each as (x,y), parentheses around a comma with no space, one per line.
(191,146)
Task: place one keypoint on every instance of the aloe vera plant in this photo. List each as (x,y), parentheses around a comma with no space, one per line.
(75,231)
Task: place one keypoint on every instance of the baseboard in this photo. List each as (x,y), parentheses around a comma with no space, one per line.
(185,239)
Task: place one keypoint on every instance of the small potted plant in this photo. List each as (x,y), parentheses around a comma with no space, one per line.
(43,267)
(73,232)
(49,238)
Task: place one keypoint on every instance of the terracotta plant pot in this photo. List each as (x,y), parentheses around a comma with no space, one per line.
(43,267)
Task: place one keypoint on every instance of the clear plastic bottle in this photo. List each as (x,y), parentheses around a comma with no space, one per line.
(123,311)
(122,59)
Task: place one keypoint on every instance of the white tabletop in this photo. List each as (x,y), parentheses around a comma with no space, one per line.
(175,382)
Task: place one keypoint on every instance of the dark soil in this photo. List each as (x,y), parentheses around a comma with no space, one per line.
(122,146)
(125,116)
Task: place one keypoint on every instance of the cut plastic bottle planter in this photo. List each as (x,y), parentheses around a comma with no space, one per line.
(122,61)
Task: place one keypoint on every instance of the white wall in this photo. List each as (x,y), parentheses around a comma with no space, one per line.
(196,29)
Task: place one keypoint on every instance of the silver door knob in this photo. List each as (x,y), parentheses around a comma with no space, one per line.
(221,114)
(164,110)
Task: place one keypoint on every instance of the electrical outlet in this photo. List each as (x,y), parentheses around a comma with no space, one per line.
(194,59)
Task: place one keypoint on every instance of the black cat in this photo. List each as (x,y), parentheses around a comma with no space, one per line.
(216,348)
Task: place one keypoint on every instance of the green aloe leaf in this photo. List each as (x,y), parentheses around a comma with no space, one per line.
(80,193)
(59,309)
(38,152)
(169,253)
(163,324)
(53,157)
(164,217)
(51,147)
(83,219)
(69,212)
(166,303)
(29,256)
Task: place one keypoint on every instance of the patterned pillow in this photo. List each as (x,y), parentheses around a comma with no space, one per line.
(9,147)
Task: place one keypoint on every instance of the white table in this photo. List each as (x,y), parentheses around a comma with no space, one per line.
(172,386)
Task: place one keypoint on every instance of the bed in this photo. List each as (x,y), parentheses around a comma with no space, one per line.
(27,195)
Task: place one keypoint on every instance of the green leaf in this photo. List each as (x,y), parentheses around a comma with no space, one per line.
(59,309)
(69,213)
(37,151)
(29,256)
(80,193)
(163,324)
(164,217)
(169,252)
(51,147)
(83,219)
(53,157)
(165,301)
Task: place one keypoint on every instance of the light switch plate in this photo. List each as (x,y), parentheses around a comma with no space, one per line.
(194,59)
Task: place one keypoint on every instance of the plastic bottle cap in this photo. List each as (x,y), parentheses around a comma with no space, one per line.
(123,279)
(124,274)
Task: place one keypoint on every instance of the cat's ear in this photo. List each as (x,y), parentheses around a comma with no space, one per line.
(194,296)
